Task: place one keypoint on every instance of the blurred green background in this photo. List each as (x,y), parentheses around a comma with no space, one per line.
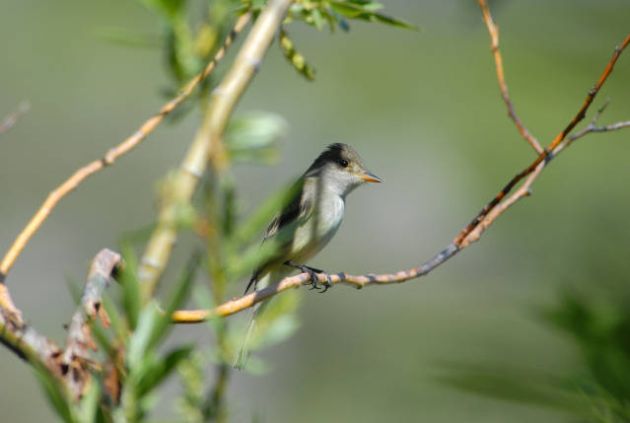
(424,110)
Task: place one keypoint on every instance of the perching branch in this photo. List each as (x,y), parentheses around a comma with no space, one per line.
(358,281)
(11,119)
(493,30)
(111,156)
(207,144)
(469,234)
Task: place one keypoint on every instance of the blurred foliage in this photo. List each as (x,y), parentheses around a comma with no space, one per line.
(193,29)
(129,349)
(253,137)
(333,14)
(599,328)
(134,355)
(139,358)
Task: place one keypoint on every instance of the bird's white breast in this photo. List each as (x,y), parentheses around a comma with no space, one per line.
(319,228)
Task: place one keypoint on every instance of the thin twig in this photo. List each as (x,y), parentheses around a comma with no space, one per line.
(10,120)
(75,359)
(111,156)
(471,233)
(592,127)
(460,240)
(493,30)
(207,144)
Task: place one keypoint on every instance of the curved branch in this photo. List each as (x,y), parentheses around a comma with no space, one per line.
(358,281)
(26,342)
(469,234)
(75,359)
(111,156)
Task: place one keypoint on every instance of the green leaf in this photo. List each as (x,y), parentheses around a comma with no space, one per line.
(229,209)
(259,220)
(295,57)
(203,299)
(55,393)
(132,298)
(281,329)
(317,19)
(367,12)
(115,319)
(138,347)
(372,6)
(192,376)
(254,137)
(153,324)
(155,373)
(276,323)
(175,301)
(88,408)
(346,9)
(388,20)
(102,339)
(180,50)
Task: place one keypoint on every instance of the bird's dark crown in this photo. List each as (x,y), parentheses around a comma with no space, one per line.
(338,153)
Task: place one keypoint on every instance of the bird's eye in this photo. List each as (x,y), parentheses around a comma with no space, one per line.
(343,163)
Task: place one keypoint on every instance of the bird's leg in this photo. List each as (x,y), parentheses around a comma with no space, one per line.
(307,269)
(312,271)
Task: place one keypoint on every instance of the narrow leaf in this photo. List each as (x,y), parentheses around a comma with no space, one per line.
(253,138)
(259,220)
(295,57)
(132,300)
(161,369)
(55,393)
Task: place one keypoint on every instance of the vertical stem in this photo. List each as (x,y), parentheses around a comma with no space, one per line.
(220,216)
(207,144)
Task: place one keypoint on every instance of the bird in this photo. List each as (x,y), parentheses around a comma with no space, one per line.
(308,222)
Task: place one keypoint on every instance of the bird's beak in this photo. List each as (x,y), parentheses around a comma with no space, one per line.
(370,177)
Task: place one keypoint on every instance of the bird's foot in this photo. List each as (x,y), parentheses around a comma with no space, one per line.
(326,284)
(313,272)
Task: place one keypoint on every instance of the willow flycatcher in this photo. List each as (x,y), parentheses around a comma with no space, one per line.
(309,221)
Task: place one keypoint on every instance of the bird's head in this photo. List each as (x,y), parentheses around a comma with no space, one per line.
(341,168)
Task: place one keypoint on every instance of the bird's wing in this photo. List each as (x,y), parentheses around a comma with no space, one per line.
(298,209)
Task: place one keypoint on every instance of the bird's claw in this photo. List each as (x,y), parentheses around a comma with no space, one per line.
(314,281)
(327,284)
(314,278)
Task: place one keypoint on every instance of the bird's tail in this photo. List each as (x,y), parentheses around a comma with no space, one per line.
(243,354)
(257,310)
